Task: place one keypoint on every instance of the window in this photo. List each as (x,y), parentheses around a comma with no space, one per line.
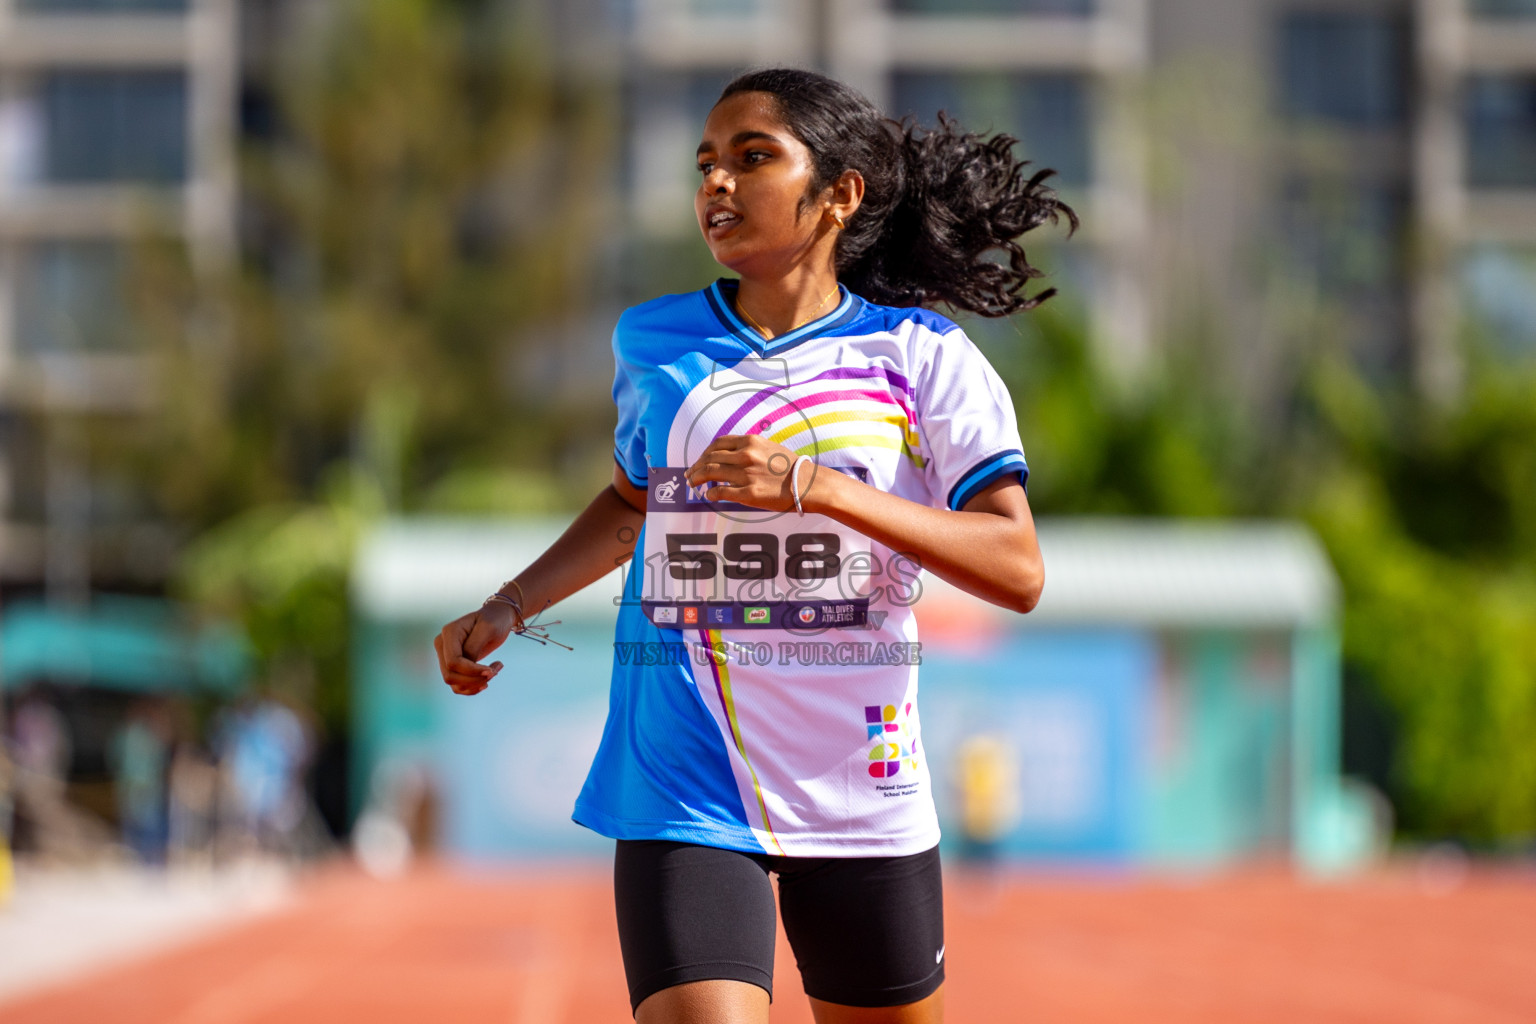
(1503,8)
(664,113)
(703,89)
(69,298)
(1077,8)
(714,8)
(1501,131)
(104,126)
(1348,242)
(1049,113)
(1349,68)
(99,6)
(23,449)
(1348,236)
(1499,291)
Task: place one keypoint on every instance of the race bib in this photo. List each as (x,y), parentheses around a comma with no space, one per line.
(722,565)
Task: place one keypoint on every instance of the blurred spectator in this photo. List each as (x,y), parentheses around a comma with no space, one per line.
(7,780)
(988,780)
(265,749)
(42,747)
(400,819)
(140,756)
(193,805)
(42,752)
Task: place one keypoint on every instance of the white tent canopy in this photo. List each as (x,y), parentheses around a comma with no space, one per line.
(1159,572)
(1128,571)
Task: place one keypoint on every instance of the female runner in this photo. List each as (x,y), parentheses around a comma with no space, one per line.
(791,446)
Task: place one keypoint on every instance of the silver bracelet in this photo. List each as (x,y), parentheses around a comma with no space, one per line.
(794,480)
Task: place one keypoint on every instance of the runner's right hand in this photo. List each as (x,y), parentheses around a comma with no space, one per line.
(465,640)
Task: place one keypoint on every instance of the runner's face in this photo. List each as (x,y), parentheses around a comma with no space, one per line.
(755,174)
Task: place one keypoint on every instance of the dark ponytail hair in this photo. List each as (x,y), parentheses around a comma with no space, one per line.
(935,202)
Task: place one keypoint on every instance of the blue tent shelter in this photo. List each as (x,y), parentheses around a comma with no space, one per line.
(131,644)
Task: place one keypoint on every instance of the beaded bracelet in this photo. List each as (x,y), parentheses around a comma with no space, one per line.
(531,630)
(504,599)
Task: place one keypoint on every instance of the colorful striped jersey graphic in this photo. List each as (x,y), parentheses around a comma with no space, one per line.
(764,693)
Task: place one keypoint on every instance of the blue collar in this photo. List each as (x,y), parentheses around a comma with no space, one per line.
(721,297)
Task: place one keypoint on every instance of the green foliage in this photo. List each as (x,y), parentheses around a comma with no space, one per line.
(1429,515)
(1452,649)
(283,569)
(477,490)
(1161,448)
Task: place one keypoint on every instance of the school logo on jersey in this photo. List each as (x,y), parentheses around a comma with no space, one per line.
(756,613)
(894,744)
(806,615)
(664,613)
(690,616)
(720,615)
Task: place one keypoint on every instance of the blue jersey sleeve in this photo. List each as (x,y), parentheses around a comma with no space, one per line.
(629,434)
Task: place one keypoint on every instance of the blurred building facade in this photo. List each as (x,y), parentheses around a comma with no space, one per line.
(1383,150)
(117,122)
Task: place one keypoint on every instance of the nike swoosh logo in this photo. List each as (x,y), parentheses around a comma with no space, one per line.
(939,956)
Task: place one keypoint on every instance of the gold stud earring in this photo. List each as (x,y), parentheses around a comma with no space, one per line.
(838,221)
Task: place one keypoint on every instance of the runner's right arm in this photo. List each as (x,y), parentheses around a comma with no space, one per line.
(602,537)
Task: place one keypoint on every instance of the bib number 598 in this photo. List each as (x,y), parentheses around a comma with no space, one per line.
(753,556)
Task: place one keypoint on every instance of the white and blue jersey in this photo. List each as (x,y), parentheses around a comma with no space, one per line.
(764,692)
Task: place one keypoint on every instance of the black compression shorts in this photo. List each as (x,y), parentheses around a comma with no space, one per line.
(866,931)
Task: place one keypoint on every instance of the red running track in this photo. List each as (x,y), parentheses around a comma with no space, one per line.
(518,947)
